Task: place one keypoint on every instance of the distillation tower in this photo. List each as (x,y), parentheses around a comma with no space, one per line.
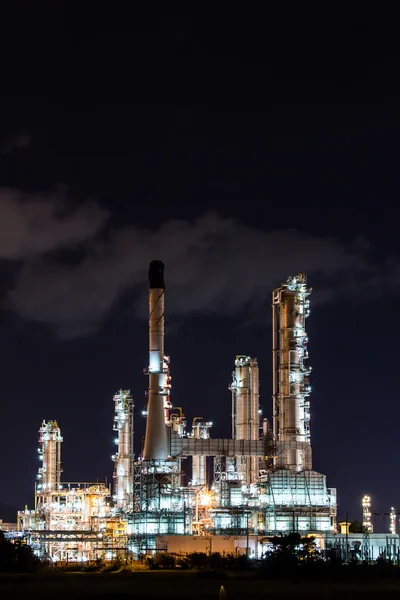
(123,458)
(246,414)
(200,431)
(50,456)
(291,387)
(296,497)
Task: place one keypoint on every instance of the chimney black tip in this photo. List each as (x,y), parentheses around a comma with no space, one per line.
(156,275)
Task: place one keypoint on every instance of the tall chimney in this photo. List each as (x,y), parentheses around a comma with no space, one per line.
(155,446)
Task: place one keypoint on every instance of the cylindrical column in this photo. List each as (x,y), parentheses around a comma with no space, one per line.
(50,455)
(242,394)
(123,424)
(245,402)
(254,418)
(155,447)
(199,474)
(290,382)
(200,430)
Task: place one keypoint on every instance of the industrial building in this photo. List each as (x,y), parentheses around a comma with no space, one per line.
(70,521)
(260,481)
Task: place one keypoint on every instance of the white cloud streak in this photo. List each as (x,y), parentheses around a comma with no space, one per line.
(213,265)
(33,224)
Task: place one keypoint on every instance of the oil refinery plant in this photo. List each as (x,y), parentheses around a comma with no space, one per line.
(241,490)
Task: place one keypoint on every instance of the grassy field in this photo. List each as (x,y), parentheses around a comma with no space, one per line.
(191,585)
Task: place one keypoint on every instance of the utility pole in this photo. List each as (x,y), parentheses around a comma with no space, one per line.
(247,534)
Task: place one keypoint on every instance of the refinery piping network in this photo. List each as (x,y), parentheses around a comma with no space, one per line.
(241,491)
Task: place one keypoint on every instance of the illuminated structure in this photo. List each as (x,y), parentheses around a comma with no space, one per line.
(70,520)
(258,482)
(292,496)
(366,510)
(367,528)
(291,387)
(123,459)
(393,521)
(159,500)
(200,431)
(246,413)
(368,545)
(262,482)
(155,448)
(50,455)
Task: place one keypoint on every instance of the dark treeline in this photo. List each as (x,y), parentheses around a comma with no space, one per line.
(290,556)
(16,557)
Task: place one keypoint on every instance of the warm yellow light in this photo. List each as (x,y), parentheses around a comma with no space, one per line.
(206,499)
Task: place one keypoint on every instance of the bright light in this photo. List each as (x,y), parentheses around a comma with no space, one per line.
(116,441)
(206,499)
(366,504)
(393,520)
(155,361)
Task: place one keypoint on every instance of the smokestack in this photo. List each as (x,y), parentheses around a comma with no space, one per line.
(155,446)
(156,275)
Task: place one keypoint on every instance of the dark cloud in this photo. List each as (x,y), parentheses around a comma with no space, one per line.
(213,265)
(33,224)
(15,142)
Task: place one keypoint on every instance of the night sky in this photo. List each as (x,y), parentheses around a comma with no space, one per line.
(237,148)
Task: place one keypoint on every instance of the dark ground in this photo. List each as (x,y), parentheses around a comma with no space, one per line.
(190,585)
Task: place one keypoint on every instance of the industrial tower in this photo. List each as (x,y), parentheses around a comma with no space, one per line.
(299,495)
(159,502)
(123,458)
(246,414)
(291,387)
(50,456)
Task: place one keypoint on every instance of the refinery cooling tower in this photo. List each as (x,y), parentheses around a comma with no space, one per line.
(291,388)
(155,447)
